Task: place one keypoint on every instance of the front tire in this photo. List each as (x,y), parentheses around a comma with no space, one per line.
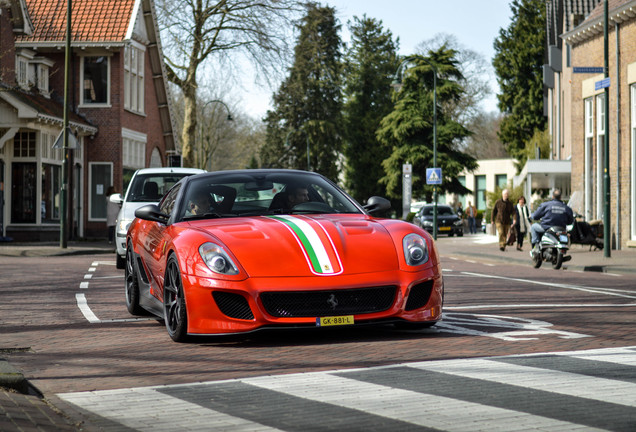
(120,262)
(132,284)
(558,261)
(175,313)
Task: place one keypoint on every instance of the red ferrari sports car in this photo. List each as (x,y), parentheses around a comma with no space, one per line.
(236,251)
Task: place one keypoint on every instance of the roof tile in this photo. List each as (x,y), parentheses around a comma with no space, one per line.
(91,20)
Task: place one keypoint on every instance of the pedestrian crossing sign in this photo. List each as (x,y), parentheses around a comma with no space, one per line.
(433,176)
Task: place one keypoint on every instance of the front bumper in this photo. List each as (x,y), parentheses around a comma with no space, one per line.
(220,307)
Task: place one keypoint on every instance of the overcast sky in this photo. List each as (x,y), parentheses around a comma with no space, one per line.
(475,23)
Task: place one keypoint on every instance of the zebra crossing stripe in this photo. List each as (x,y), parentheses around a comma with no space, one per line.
(437,412)
(550,391)
(571,384)
(146,409)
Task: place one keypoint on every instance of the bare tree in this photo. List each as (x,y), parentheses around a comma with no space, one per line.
(474,69)
(484,142)
(197,31)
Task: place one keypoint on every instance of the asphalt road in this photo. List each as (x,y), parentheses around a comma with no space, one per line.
(65,325)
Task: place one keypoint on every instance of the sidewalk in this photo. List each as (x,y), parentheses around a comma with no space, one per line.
(43,249)
(484,247)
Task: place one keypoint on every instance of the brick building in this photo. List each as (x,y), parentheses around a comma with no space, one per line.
(576,109)
(119,110)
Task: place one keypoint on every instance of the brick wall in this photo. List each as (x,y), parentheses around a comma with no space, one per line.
(591,53)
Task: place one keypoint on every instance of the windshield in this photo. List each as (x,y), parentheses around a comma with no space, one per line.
(151,187)
(441,211)
(258,193)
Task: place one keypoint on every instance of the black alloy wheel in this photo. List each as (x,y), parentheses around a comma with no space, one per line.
(132,284)
(174,306)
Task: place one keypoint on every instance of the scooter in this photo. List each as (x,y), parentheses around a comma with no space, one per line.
(584,233)
(553,248)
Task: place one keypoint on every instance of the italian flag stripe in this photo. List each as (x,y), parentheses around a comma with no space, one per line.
(311,243)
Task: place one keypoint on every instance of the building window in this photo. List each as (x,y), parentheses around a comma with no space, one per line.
(95,80)
(43,79)
(24,144)
(480,192)
(134,154)
(21,72)
(501,181)
(462,181)
(600,153)
(50,205)
(23,192)
(633,164)
(100,179)
(588,175)
(134,79)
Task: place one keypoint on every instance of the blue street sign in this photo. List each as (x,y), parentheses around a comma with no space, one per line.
(588,69)
(604,83)
(433,176)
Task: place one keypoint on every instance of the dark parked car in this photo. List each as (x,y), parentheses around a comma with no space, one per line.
(447,220)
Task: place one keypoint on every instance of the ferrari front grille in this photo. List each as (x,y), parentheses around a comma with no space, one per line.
(419,295)
(329,303)
(233,305)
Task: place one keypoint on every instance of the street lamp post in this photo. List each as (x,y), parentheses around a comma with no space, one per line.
(397,83)
(228,118)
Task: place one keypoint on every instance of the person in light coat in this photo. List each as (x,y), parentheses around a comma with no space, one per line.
(522,221)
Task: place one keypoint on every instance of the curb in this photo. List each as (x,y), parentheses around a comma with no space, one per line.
(12,378)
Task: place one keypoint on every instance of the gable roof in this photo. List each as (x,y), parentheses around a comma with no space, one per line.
(35,106)
(618,12)
(92,21)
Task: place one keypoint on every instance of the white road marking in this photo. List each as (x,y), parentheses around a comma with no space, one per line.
(86,311)
(571,384)
(145,409)
(437,412)
(84,285)
(595,290)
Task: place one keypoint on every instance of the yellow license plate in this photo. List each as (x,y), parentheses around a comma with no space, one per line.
(444,228)
(334,321)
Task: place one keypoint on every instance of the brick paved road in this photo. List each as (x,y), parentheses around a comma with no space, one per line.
(490,311)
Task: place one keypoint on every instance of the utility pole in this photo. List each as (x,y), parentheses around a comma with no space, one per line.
(607,241)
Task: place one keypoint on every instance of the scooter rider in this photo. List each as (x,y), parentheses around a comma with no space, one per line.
(551,213)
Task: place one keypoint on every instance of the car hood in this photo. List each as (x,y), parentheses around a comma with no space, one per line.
(297,245)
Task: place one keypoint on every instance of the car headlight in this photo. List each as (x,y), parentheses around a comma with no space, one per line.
(217,259)
(415,249)
(122,226)
(427,223)
(457,222)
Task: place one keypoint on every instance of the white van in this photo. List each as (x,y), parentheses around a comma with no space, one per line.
(147,186)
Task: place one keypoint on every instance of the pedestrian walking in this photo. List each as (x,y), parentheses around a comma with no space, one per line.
(471,214)
(502,214)
(522,221)
(112,209)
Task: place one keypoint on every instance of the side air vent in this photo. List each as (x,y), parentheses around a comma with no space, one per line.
(419,295)
(233,305)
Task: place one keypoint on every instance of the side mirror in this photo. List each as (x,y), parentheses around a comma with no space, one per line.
(377,204)
(116,198)
(151,212)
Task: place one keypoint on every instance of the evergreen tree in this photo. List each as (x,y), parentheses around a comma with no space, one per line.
(307,115)
(408,129)
(369,64)
(519,56)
